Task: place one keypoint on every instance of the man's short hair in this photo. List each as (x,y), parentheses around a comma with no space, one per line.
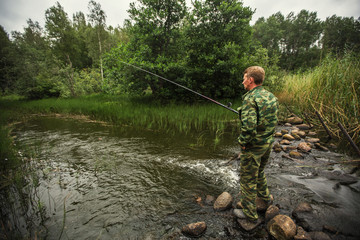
(256,72)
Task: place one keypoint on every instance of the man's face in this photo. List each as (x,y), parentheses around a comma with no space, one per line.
(247,81)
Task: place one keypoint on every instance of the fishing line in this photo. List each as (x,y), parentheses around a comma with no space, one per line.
(199,94)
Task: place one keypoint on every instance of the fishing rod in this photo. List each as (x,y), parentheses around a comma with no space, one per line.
(199,94)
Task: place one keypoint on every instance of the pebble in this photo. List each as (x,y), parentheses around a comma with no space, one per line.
(312,140)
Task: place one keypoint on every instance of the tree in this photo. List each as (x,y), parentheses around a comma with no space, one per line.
(341,34)
(270,33)
(154,44)
(294,39)
(34,65)
(64,42)
(218,37)
(302,32)
(97,18)
(7,62)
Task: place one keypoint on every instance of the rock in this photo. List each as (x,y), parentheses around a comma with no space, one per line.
(299,133)
(333,146)
(312,133)
(306,218)
(209,200)
(194,229)
(319,236)
(271,212)
(277,150)
(223,202)
(287,125)
(288,148)
(301,234)
(304,147)
(247,225)
(296,136)
(303,207)
(303,127)
(288,137)
(278,134)
(312,140)
(330,229)
(285,142)
(294,120)
(282,227)
(261,205)
(296,155)
(284,131)
(322,148)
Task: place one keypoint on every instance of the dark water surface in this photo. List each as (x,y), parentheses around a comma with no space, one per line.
(106,182)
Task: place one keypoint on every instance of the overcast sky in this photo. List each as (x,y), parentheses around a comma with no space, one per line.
(15,13)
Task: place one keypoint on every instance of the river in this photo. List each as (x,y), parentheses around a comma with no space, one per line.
(98,181)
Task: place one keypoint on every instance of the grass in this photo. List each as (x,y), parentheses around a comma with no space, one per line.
(332,89)
(138,112)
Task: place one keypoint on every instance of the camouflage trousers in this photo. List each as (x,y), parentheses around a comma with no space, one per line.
(252,178)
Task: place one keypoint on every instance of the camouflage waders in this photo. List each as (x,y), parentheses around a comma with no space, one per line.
(252,178)
(258,117)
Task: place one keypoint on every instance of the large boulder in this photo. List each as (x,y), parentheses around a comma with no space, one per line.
(282,227)
(223,202)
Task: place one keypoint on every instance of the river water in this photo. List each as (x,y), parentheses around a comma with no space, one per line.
(106,182)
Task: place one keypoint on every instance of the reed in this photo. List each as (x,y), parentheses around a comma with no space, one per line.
(142,112)
(332,89)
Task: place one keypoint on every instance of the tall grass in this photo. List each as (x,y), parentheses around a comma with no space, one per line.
(141,112)
(332,89)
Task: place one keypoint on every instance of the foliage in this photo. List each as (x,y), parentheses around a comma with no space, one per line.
(341,34)
(8,73)
(217,37)
(280,36)
(332,88)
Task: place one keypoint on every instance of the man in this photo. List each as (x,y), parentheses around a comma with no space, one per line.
(258,117)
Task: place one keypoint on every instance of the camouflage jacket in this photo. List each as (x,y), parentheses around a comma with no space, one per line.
(258,117)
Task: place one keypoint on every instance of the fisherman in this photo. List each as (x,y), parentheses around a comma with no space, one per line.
(258,117)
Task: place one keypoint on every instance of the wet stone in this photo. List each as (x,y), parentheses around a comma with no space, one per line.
(294,120)
(304,147)
(271,212)
(278,134)
(296,155)
(284,131)
(303,207)
(312,140)
(288,148)
(223,202)
(194,229)
(301,234)
(285,142)
(319,236)
(247,225)
(282,227)
(288,137)
(303,127)
(209,200)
